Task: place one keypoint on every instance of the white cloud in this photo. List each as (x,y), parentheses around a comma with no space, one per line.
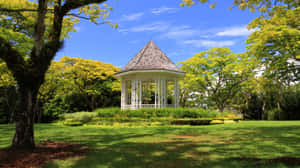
(153,27)
(235,31)
(209,43)
(180,32)
(163,9)
(131,17)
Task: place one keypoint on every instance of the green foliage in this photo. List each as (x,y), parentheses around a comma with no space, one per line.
(92,81)
(209,146)
(265,104)
(72,122)
(262,6)
(291,103)
(161,112)
(219,73)
(41,26)
(276,42)
(191,121)
(54,108)
(108,112)
(216,122)
(83,117)
(8,103)
(148,117)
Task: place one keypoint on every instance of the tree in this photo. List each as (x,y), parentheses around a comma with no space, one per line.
(219,72)
(276,43)
(89,78)
(7,93)
(276,38)
(252,5)
(29,66)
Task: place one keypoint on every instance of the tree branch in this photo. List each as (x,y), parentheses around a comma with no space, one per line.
(17,10)
(22,10)
(40,28)
(74,4)
(82,17)
(14,60)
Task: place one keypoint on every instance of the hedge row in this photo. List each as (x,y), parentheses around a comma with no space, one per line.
(174,116)
(141,121)
(161,112)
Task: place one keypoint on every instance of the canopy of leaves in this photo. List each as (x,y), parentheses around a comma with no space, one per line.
(6,78)
(219,73)
(276,42)
(79,75)
(252,5)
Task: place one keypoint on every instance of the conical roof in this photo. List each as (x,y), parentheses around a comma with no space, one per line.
(150,58)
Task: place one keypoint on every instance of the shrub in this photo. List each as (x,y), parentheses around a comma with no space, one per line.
(83,117)
(191,121)
(193,113)
(160,112)
(54,108)
(72,122)
(216,122)
(108,112)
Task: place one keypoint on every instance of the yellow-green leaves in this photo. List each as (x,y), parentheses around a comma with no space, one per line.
(6,78)
(217,72)
(212,5)
(276,40)
(82,75)
(252,5)
(95,12)
(187,3)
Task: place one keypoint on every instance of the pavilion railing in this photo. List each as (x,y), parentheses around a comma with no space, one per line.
(137,106)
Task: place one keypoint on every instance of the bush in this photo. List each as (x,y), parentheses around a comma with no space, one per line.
(274,114)
(54,108)
(161,112)
(83,117)
(148,116)
(194,113)
(72,122)
(216,122)
(191,121)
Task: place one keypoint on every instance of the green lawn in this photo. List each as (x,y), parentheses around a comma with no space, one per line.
(245,144)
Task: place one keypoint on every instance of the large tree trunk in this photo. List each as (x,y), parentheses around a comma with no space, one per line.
(24,136)
(222,107)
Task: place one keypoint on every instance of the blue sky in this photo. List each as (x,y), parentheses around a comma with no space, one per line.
(180,32)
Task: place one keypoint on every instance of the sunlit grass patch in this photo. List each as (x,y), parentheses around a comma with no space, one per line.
(247,144)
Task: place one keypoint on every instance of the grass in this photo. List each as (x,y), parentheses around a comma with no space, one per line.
(246,144)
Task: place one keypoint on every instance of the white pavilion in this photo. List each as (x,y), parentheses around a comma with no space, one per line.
(150,80)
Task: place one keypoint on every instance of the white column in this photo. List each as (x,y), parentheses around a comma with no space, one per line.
(175,94)
(159,93)
(176,91)
(136,94)
(165,93)
(125,93)
(133,94)
(162,99)
(155,95)
(122,93)
(140,93)
(162,93)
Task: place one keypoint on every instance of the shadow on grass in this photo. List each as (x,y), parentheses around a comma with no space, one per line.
(208,146)
(189,148)
(172,154)
(6,134)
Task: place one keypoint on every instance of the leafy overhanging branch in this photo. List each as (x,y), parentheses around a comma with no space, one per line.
(15,62)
